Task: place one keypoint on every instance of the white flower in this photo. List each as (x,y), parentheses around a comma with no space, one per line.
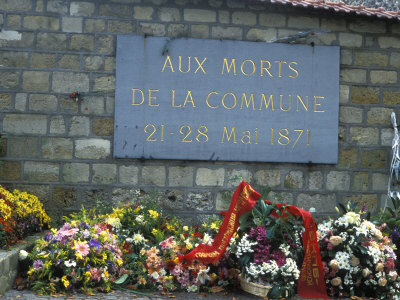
(352,217)
(202,276)
(155,275)
(207,239)
(138,238)
(139,219)
(70,263)
(343,260)
(23,254)
(192,289)
(114,222)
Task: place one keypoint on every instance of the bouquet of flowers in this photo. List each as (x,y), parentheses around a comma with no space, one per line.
(21,214)
(358,260)
(269,250)
(152,244)
(82,255)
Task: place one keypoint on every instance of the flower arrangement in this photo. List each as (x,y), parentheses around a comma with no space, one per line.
(21,214)
(358,259)
(391,217)
(269,250)
(82,255)
(153,243)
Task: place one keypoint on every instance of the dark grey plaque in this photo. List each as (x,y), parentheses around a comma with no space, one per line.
(197,99)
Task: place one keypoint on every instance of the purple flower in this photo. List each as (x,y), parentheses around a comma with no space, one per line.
(363,208)
(279,257)
(95,244)
(84,225)
(48,236)
(395,235)
(37,264)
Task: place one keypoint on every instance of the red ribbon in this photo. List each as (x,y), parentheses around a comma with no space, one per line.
(243,200)
(311,283)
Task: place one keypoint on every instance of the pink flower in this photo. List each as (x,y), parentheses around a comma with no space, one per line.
(82,248)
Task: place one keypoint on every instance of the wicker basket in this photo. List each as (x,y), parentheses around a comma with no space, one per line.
(254,288)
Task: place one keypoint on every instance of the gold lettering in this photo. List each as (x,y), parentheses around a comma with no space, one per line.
(246,138)
(264,68)
(280,62)
(284,136)
(302,102)
(189,98)
(152,97)
(254,67)
(270,100)
(228,137)
(133,96)
(173,100)
(208,97)
(298,137)
(200,65)
(256,131)
(293,69)
(223,100)
(180,65)
(290,103)
(228,68)
(317,104)
(168,59)
(244,98)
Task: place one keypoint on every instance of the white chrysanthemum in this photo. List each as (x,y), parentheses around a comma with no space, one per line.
(375,253)
(285,249)
(343,259)
(139,219)
(245,246)
(138,238)
(323,228)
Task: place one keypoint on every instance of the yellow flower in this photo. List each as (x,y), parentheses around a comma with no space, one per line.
(189,246)
(31,271)
(153,214)
(78,255)
(65,281)
(214,225)
(185,228)
(154,231)
(119,262)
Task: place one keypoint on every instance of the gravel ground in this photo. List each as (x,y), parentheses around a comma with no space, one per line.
(122,295)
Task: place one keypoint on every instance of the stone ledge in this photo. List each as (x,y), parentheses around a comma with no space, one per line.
(9,261)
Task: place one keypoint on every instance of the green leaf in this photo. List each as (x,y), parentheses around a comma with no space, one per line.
(274,292)
(122,279)
(271,232)
(265,193)
(244,218)
(344,209)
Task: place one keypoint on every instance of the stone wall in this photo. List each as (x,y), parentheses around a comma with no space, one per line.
(61,150)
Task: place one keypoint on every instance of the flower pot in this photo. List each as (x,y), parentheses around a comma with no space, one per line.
(254,288)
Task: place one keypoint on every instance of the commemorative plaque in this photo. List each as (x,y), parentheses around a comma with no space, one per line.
(195,99)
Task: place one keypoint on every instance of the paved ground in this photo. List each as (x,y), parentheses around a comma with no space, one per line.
(122,295)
